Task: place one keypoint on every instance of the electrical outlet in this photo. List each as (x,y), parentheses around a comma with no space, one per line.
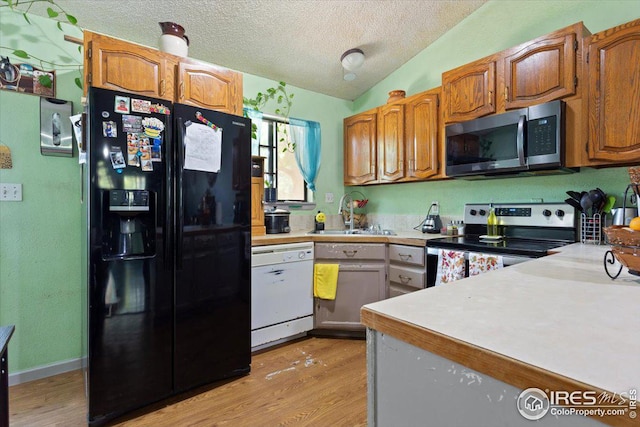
(435,208)
(328,197)
(11,192)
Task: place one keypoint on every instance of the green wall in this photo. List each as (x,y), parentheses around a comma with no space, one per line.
(497,25)
(40,237)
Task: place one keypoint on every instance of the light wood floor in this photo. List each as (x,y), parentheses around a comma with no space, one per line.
(311,382)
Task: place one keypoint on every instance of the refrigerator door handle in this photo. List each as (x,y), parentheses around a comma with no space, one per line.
(179,197)
(168,217)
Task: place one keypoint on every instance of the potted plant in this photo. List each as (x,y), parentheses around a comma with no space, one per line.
(270,192)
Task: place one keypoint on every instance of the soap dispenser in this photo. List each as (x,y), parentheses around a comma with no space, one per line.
(319,221)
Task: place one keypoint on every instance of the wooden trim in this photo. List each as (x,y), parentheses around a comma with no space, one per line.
(73,40)
(496,365)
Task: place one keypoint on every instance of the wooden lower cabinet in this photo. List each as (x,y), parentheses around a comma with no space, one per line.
(361,280)
(257,210)
(406,269)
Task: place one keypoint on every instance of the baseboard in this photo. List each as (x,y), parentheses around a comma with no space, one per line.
(45,371)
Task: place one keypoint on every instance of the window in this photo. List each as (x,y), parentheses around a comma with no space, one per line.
(280,168)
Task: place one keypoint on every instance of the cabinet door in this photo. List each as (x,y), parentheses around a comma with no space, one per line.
(469,91)
(391,142)
(209,86)
(358,284)
(119,65)
(257,194)
(421,124)
(360,149)
(541,71)
(614,94)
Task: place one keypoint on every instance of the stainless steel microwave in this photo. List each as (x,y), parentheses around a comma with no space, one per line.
(519,141)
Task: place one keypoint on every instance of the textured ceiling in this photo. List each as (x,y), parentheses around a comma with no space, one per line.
(297,41)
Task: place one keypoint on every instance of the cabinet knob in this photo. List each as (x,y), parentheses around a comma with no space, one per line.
(404,257)
(404,279)
(350,254)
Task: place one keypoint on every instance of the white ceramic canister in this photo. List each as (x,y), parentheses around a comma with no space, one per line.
(173,40)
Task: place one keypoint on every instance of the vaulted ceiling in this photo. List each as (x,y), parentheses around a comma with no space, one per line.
(296,41)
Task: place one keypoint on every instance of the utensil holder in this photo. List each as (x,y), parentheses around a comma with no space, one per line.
(591,229)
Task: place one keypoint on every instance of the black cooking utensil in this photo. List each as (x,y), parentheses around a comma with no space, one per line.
(574,195)
(574,203)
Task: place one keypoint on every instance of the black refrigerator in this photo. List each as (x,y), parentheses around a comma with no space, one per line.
(169,243)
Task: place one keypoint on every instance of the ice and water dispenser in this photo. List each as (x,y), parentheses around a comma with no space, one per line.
(129,220)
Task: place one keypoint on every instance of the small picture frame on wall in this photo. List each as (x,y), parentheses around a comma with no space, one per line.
(55,127)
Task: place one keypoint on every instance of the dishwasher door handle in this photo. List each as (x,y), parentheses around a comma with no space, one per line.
(276,272)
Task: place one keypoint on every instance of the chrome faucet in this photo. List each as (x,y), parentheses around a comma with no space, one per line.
(349,222)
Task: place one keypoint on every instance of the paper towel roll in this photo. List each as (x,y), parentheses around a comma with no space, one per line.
(218,213)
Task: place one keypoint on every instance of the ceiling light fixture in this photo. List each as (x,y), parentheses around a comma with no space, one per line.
(351,60)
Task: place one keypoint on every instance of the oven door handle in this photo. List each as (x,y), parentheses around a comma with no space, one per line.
(507,260)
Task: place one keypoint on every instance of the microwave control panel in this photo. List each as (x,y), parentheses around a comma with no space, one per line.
(541,136)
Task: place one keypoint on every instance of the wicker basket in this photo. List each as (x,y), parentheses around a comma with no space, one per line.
(625,245)
(622,235)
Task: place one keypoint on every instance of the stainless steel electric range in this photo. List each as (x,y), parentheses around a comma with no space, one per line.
(527,230)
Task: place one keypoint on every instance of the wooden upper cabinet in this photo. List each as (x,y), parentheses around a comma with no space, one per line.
(124,66)
(541,71)
(614,94)
(391,142)
(421,135)
(119,65)
(469,91)
(360,148)
(209,86)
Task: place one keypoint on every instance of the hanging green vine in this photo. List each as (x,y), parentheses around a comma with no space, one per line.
(284,100)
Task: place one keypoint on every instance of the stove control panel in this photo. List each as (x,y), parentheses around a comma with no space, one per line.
(523,214)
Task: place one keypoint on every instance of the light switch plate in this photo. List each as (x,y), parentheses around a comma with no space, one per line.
(328,197)
(10,192)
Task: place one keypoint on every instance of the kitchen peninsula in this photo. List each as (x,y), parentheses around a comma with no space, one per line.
(460,354)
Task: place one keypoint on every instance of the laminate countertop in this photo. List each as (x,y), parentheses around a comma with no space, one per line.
(557,322)
(5,336)
(411,238)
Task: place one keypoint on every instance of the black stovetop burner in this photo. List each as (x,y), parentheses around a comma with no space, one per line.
(506,246)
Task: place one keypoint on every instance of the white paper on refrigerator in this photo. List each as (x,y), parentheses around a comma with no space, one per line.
(203,148)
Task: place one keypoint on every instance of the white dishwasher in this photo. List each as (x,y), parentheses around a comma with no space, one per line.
(281,293)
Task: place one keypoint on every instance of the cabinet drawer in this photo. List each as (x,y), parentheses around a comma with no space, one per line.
(397,290)
(350,251)
(407,276)
(413,255)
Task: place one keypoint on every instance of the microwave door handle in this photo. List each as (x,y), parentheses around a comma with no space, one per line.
(520,140)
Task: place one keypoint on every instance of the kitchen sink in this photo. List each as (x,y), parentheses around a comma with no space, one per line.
(356,232)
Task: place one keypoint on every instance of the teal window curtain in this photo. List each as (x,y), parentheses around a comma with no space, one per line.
(306,135)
